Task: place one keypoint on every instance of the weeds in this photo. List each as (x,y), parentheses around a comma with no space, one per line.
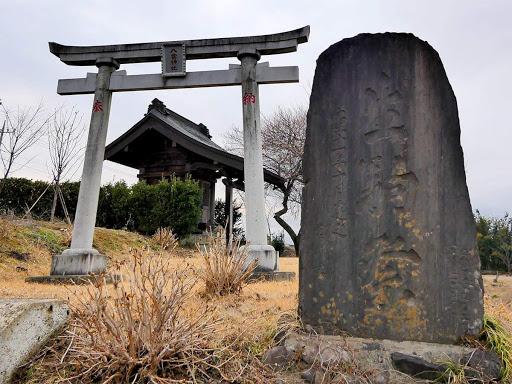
(47,239)
(499,339)
(226,268)
(453,374)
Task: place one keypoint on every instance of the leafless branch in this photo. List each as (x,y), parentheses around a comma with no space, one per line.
(65,132)
(283,136)
(23,128)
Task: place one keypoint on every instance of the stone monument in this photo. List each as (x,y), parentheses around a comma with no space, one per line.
(388,246)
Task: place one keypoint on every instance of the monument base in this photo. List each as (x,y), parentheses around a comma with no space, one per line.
(272,276)
(268,258)
(78,262)
(407,362)
(72,279)
(268,264)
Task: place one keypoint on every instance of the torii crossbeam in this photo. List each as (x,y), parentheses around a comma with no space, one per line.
(81,259)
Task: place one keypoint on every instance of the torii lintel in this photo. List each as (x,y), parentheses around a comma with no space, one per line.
(272,44)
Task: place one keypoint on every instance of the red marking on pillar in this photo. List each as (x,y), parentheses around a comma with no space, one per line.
(97,107)
(249,99)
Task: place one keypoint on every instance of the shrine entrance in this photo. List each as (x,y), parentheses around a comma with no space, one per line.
(82,259)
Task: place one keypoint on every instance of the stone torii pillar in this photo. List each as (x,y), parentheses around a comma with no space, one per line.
(81,258)
(253,166)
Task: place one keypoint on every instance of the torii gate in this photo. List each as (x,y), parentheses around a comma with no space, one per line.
(81,259)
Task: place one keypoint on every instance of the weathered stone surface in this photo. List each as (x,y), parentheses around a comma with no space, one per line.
(73,279)
(78,264)
(272,276)
(277,358)
(309,376)
(482,365)
(387,361)
(382,378)
(342,378)
(25,325)
(372,354)
(324,354)
(388,244)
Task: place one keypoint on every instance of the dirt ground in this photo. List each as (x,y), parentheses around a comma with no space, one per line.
(502,290)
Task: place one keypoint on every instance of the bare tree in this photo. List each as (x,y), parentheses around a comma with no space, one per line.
(21,130)
(65,133)
(283,136)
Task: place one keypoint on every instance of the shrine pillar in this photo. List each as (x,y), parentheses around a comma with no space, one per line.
(253,166)
(81,258)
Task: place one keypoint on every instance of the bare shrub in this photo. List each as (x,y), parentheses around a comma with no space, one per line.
(5,229)
(139,331)
(226,269)
(165,239)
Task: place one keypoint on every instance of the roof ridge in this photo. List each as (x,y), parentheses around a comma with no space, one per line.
(162,108)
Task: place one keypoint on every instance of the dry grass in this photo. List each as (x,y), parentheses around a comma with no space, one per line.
(165,239)
(248,322)
(5,229)
(497,334)
(226,270)
(27,248)
(247,326)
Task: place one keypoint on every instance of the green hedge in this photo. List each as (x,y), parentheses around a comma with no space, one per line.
(16,194)
(175,203)
(172,203)
(114,207)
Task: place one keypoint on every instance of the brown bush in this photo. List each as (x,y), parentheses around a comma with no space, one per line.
(226,268)
(138,331)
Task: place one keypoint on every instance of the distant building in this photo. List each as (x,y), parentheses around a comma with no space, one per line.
(164,143)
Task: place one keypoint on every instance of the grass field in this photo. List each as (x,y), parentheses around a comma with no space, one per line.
(26,248)
(257,298)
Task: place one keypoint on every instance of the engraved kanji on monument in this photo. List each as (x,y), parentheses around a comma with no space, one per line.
(388,244)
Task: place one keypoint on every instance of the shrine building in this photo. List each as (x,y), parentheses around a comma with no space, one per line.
(163,144)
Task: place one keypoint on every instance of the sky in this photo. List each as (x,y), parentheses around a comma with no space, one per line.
(473,38)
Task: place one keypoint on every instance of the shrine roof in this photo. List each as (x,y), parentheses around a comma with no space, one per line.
(195,131)
(191,136)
